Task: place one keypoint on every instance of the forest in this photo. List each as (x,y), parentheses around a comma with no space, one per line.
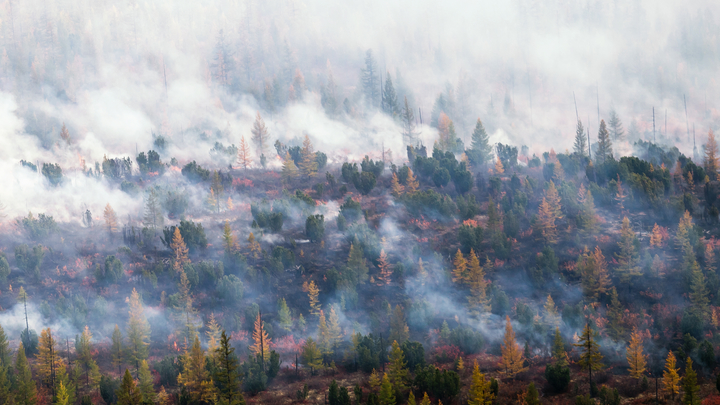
(286,203)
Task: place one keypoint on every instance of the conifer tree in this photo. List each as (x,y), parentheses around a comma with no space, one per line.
(370,81)
(552,318)
(312,291)
(5,354)
(478,300)
(289,170)
(398,372)
(226,375)
(593,270)
(480,392)
(499,169)
(635,357)
(228,237)
(259,135)
(411,399)
(116,349)
(308,162)
(590,356)
(254,246)
(546,223)
(656,239)
(580,145)
(512,357)
(426,401)
(699,292)
(146,382)
(671,379)
(617,133)
(356,266)
(389,99)
(62,396)
(110,219)
(480,148)
(616,331)
(334,330)
(85,353)
(711,156)
(24,386)
(138,331)
(691,390)
(553,198)
(128,393)
(48,358)
(69,383)
(532,397)
(153,218)
(387,394)
(460,268)
(604,149)
(627,257)
(180,250)
(408,121)
(397,188)
(311,356)
(385,275)
(411,184)
(398,327)
(243,155)
(324,341)
(261,341)
(284,317)
(195,376)
(558,350)
(587,215)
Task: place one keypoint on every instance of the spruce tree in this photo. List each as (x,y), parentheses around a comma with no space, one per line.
(590,356)
(370,80)
(604,149)
(389,99)
(128,393)
(226,375)
(580,146)
(628,268)
(615,127)
(397,369)
(480,149)
(408,122)
(691,390)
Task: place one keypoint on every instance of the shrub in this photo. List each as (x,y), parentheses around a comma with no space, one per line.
(442,385)
(195,173)
(53,173)
(315,227)
(230,288)
(351,210)
(193,234)
(467,340)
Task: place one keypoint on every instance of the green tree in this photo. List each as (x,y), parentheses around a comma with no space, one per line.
(128,393)
(398,327)
(532,397)
(604,149)
(62,397)
(616,331)
(357,268)
(138,331)
(311,356)
(146,382)
(389,99)
(195,377)
(691,390)
(315,227)
(408,121)
(387,394)
(580,146)
(558,350)
(153,217)
(5,354)
(116,349)
(370,81)
(590,356)
(397,368)
(627,257)
(480,149)
(226,375)
(284,317)
(615,127)
(699,292)
(24,385)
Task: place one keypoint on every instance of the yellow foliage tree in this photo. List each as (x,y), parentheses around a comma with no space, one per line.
(552,318)
(261,345)
(48,358)
(480,392)
(512,356)
(243,155)
(553,198)
(546,223)
(397,188)
(312,291)
(594,275)
(289,170)
(110,219)
(499,167)
(411,184)
(656,238)
(478,299)
(459,271)
(308,163)
(635,357)
(385,274)
(671,378)
(180,249)
(711,157)
(254,246)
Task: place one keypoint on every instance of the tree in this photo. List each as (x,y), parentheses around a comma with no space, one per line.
(334,330)
(324,339)
(397,368)
(480,392)
(308,162)
(24,385)
(656,238)
(635,357)
(289,170)
(243,156)
(5,358)
(226,375)
(356,265)
(311,356)
(259,135)
(698,292)
(48,358)
(128,393)
(558,350)
(397,188)
(138,331)
(499,169)
(312,291)
(153,212)
(398,327)
(62,396)
(110,219)
(593,270)
(146,382)
(628,253)
(478,300)
(690,386)
(532,397)
(604,149)
(389,99)
(387,394)
(447,139)
(195,377)
(480,149)
(315,227)
(590,356)
(408,122)
(116,349)
(369,77)
(411,184)
(284,317)
(546,222)
(385,273)
(671,379)
(587,215)
(180,251)
(460,268)
(711,156)
(615,316)
(84,349)
(552,318)
(261,345)
(512,356)
(615,127)
(580,146)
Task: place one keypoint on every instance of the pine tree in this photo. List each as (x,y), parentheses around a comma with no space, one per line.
(180,250)
(116,349)
(480,148)
(711,156)
(628,254)
(226,375)
(590,356)
(24,386)
(243,155)
(259,135)
(387,394)
(389,99)
(615,127)
(408,121)
(635,357)
(397,188)
(195,377)
(558,350)
(289,170)
(385,275)
(369,77)
(261,345)
(308,162)
(480,392)
(512,356)
(411,184)
(153,218)
(478,299)
(138,331)
(604,149)
(397,368)
(593,270)
(146,382)
(398,327)
(128,393)
(48,358)
(691,390)
(460,268)
(580,146)
(110,219)
(615,317)
(312,291)
(284,317)
(671,379)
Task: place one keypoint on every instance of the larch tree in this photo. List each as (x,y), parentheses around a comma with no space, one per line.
(261,341)
(62,397)
(411,184)
(590,357)
(594,275)
(356,265)
(284,317)
(397,367)
(324,340)
(480,148)
(84,348)
(551,316)
(397,188)
(185,314)
(615,127)
(110,219)
(213,336)
(335,332)
(499,169)
(553,198)
(312,291)
(138,331)
(512,356)
(637,361)
(195,377)
(145,379)
(128,393)
(24,385)
(447,138)
(228,238)
(259,135)
(48,358)
(558,350)
(478,300)
(691,390)
(387,393)
(116,349)
(311,356)
(243,156)
(226,374)
(289,170)
(545,224)
(671,379)
(180,251)
(580,145)
(308,160)
(480,392)
(399,330)
(656,238)
(615,328)
(5,354)
(587,215)
(385,275)
(604,148)
(711,156)
(699,296)
(628,256)
(459,273)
